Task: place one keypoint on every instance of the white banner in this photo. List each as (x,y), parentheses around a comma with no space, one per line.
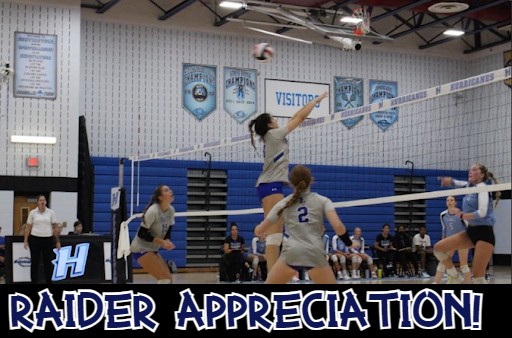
(285,98)
(20,263)
(35,64)
(107,258)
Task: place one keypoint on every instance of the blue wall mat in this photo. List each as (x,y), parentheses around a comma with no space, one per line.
(336,182)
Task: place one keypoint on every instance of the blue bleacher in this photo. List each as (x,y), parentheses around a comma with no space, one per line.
(337,182)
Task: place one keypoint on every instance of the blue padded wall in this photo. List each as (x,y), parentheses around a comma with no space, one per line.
(336,182)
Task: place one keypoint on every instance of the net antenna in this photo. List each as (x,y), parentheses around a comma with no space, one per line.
(362,27)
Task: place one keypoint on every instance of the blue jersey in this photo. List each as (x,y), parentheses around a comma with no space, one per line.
(257,246)
(452,224)
(338,245)
(326,243)
(478,204)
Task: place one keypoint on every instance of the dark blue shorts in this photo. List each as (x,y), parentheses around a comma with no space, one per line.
(138,255)
(267,189)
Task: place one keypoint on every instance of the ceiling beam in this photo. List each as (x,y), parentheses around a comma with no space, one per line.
(176,9)
(399,9)
(235,14)
(454,16)
(107,6)
(102,7)
(490,45)
(480,29)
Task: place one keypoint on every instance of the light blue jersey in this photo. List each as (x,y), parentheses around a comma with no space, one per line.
(452,224)
(478,204)
(338,245)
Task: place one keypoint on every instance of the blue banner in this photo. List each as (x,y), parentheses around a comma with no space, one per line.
(348,94)
(380,91)
(199,89)
(240,93)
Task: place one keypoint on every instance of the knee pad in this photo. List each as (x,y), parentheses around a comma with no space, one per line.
(355,259)
(255,261)
(274,239)
(343,260)
(370,260)
(163,281)
(359,259)
(441,256)
(465,269)
(441,267)
(334,258)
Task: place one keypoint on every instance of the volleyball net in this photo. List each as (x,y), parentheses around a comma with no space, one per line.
(382,167)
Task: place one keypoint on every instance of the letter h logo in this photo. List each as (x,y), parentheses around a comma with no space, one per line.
(64,260)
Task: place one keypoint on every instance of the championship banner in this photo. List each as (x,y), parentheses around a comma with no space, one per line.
(507,61)
(348,94)
(380,91)
(252,310)
(199,89)
(240,93)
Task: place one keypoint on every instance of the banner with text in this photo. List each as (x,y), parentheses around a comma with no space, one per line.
(240,93)
(379,92)
(199,89)
(284,98)
(348,93)
(35,61)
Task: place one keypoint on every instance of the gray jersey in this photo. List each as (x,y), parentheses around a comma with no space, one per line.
(158,222)
(304,223)
(276,153)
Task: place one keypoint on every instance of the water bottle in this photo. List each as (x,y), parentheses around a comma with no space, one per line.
(379,273)
(366,273)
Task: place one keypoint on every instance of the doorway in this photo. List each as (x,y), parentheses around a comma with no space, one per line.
(22,206)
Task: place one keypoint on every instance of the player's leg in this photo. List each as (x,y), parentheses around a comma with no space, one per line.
(274,233)
(282,273)
(154,264)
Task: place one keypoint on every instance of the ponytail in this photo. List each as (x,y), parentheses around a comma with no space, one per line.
(251,124)
(154,199)
(497,194)
(299,189)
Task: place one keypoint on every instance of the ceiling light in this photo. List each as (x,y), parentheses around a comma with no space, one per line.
(231,4)
(33,139)
(448,7)
(351,19)
(453,32)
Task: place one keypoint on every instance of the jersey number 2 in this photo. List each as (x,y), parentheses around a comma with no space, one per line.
(303,214)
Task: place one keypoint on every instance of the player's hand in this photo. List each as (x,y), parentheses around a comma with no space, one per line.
(168,245)
(446,181)
(25,245)
(321,97)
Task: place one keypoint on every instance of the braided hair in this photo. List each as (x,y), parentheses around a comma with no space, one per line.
(489,178)
(155,198)
(260,125)
(300,178)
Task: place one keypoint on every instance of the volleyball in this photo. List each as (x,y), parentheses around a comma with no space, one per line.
(263,52)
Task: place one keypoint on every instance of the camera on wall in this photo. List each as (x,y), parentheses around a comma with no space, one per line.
(6,71)
(348,43)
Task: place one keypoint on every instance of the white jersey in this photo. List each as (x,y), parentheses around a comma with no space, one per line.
(418,240)
(158,223)
(304,222)
(42,222)
(276,152)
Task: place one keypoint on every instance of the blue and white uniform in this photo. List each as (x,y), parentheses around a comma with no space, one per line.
(305,228)
(481,227)
(452,224)
(275,166)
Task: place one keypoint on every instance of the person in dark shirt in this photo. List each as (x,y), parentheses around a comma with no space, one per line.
(385,250)
(233,252)
(77,229)
(403,246)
